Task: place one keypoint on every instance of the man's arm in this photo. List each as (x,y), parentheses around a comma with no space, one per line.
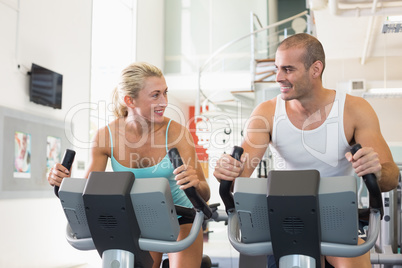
(257,135)
(375,156)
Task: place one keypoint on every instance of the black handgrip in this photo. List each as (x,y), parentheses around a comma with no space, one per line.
(192,194)
(225,187)
(67,162)
(375,198)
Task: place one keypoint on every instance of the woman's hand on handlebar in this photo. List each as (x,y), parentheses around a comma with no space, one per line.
(186,177)
(227,168)
(365,161)
(57,173)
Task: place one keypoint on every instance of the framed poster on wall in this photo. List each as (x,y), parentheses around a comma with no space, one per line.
(53,152)
(22,155)
(30,146)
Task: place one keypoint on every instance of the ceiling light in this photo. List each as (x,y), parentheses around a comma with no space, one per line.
(394,18)
(392,25)
(383,93)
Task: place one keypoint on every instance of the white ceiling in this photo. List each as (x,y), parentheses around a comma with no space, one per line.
(353,29)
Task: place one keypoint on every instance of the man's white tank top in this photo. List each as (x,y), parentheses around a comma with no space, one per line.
(322,148)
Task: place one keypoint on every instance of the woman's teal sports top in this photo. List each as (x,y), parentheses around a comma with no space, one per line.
(163,169)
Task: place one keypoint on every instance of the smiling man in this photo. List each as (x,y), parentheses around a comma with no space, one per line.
(308,126)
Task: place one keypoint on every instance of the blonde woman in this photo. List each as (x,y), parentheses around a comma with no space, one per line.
(138,141)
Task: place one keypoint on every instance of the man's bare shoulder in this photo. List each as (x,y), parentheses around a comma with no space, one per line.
(356,105)
(262,116)
(359,114)
(266,108)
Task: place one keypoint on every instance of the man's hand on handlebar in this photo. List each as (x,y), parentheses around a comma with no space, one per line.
(365,161)
(57,173)
(228,168)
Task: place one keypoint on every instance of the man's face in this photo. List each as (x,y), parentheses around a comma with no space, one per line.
(292,76)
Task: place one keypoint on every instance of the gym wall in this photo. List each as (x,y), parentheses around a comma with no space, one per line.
(55,34)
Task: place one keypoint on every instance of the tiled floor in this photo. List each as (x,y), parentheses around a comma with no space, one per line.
(218,248)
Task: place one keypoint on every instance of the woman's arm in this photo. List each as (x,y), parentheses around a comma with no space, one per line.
(99,156)
(191,173)
(99,152)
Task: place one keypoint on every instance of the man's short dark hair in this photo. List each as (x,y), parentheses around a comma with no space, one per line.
(313,48)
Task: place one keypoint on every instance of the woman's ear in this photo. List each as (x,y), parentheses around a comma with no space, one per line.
(129,101)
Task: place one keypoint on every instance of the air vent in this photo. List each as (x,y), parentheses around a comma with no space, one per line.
(107,222)
(358,85)
(293,225)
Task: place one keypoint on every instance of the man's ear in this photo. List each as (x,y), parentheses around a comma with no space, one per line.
(129,101)
(317,68)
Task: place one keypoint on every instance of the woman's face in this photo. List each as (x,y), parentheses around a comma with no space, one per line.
(152,100)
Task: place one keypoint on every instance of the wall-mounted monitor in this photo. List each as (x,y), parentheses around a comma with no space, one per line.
(45,87)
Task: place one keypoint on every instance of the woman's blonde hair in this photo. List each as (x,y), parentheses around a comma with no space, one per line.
(131,82)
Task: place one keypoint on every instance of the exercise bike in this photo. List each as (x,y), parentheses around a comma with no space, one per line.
(298,217)
(124,218)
